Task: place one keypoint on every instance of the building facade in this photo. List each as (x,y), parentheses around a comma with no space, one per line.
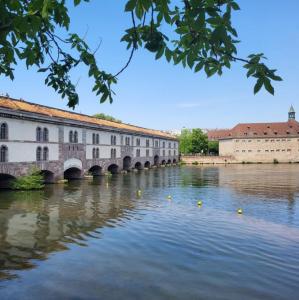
(262,142)
(68,145)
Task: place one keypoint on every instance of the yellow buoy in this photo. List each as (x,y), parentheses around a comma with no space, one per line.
(240,211)
(139,193)
(169,197)
(199,203)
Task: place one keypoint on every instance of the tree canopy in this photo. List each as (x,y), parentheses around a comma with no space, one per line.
(202,38)
(193,141)
(106,117)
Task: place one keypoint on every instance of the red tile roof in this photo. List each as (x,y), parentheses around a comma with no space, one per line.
(216,134)
(21,105)
(281,129)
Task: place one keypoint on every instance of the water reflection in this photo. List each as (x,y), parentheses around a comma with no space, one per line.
(35,224)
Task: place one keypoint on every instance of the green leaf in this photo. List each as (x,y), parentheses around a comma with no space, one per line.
(131,4)
(258,85)
(268,86)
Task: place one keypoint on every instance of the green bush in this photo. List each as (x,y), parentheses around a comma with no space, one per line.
(195,163)
(33,181)
(275,161)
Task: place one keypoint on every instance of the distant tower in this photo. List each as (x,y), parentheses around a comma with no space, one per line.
(292,114)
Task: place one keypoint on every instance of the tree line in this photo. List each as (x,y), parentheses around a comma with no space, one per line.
(195,141)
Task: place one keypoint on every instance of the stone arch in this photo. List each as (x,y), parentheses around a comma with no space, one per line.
(72,173)
(95,170)
(147,164)
(48,176)
(174,161)
(113,169)
(72,163)
(156,160)
(127,161)
(138,165)
(6,180)
(163,162)
(169,162)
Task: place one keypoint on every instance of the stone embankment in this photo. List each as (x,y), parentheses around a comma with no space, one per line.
(199,159)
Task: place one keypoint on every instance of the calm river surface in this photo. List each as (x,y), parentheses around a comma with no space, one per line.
(99,240)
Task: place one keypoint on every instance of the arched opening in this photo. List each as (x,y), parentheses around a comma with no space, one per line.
(48,176)
(72,174)
(156,160)
(174,161)
(169,162)
(95,171)
(3,154)
(127,163)
(4,131)
(138,165)
(113,169)
(163,162)
(147,164)
(6,181)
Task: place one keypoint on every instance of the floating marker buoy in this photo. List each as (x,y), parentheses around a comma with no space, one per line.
(240,211)
(139,193)
(168,197)
(199,203)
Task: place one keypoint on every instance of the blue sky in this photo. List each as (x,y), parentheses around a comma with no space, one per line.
(158,95)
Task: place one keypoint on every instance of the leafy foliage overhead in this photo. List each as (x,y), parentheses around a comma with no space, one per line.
(204,39)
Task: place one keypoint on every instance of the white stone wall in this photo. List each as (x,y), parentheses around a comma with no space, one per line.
(22,142)
(261,149)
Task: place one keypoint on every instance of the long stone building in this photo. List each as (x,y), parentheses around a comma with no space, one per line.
(64,144)
(261,142)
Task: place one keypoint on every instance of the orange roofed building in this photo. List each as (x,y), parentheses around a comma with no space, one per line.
(261,142)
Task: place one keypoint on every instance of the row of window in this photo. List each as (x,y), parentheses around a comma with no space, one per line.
(272,140)
(42,135)
(266,133)
(42,153)
(272,150)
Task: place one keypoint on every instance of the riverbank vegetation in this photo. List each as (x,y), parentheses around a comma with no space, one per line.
(33,181)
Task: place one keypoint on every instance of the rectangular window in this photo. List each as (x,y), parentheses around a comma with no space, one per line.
(137,142)
(147,143)
(147,153)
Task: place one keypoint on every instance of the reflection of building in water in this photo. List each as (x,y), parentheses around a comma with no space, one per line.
(265,181)
(34,224)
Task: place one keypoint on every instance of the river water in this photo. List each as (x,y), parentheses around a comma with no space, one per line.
(99,239)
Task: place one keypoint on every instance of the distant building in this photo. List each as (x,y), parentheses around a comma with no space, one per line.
(261,142)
